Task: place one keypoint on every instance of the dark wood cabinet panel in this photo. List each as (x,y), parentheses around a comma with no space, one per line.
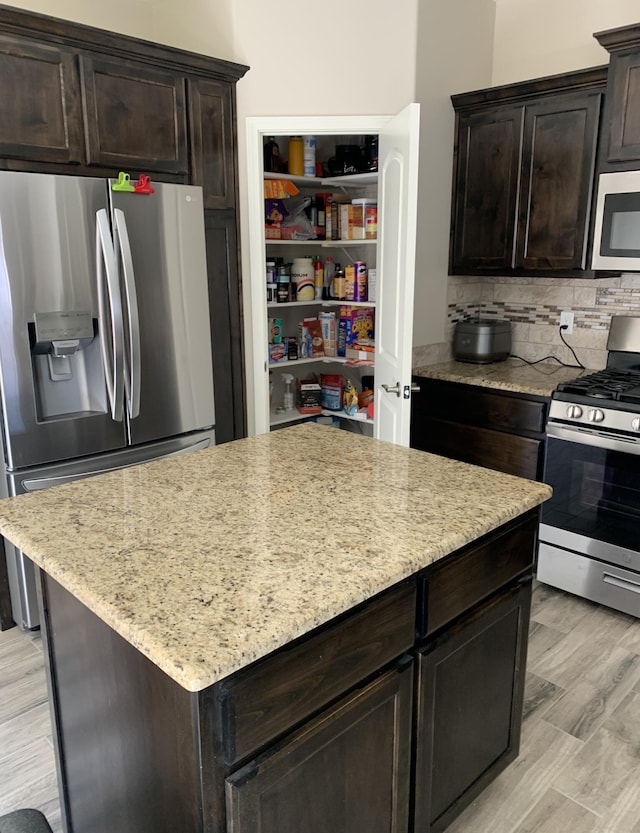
(455,586)
(560,139)
(39,102)
(508,453)
(624,136)
(346,771)
(486,188)
(136,737)
(524,173)
(624,131)
(265,701)
(469,706)
(226,324)
(213,142)
(135,116)
(620,146)
(499,430)
(481,407)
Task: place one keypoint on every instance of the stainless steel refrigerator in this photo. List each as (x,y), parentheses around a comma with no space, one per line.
(105,343)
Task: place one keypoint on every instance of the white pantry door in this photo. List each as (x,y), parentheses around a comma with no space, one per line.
(397,211)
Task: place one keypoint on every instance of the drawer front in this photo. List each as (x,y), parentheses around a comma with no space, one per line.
(522,456)
(474,573)
(480,407)
(267,699)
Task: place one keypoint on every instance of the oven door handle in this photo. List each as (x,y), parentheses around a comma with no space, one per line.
(623,583)
(626,445)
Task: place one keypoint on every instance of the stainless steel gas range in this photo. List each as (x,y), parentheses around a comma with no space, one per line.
(590,530)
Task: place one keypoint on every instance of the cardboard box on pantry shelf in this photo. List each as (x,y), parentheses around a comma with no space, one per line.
(274,213)
(355,324)
(276,192)
(309,398)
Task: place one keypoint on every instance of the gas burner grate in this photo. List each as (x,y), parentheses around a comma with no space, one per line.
(606,384)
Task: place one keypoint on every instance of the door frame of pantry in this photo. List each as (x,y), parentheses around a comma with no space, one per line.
(392,413)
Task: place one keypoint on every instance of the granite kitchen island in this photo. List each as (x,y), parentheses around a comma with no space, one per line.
(283,633)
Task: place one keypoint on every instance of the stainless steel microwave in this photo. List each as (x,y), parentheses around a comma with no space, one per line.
(616,241)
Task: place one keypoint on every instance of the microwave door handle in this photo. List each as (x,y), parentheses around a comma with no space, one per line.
(109,315)
(132,361)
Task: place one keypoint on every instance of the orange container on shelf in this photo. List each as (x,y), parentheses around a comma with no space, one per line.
(296,156)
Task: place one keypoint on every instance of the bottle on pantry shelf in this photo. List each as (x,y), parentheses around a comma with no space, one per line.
(322,221)
(287,399)
(296,156)
(309,155)
(283,284)
(318,277)
(329,268)
(327,200)
(272,285)
(349,282)
(272,160)
(338,284)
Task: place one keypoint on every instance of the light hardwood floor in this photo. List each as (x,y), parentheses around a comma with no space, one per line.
(579,764)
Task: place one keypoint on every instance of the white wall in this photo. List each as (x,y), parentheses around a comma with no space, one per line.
(455,40)
(204,26)
(534,38)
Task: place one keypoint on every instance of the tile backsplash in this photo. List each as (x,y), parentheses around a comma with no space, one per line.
(533,305)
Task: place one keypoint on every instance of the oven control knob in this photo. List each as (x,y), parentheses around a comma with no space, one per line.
(574,411)
(596,415)
(635,424)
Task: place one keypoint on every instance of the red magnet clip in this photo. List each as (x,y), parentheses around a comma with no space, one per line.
(143,185)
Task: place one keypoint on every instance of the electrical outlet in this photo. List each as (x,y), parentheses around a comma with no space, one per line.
(566,320)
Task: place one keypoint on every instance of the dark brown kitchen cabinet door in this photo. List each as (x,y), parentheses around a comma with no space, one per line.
(40,108)
(486,188)
(469,706)
(226,324)
(347,770)
(624,132)
(558,163)
(135,117)
(213,142)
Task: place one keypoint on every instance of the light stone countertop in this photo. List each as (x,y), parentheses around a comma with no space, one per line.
(211,560)
(512,375)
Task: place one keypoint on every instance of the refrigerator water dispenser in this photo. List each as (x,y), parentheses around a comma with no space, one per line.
(66,355)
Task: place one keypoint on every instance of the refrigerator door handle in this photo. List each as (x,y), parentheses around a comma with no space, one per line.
(110,315)
(132,355)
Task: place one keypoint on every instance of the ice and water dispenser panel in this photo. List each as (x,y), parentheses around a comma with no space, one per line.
(67,364)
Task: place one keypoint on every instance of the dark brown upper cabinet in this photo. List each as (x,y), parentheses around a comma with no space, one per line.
(39,102)
(213,141)
(486,188)
(621,142)
(134,116)
(524,171)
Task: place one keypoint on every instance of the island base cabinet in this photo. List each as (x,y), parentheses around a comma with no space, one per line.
(470,684)
(347,770)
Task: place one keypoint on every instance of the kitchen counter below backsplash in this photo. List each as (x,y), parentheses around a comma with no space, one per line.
(512,375)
